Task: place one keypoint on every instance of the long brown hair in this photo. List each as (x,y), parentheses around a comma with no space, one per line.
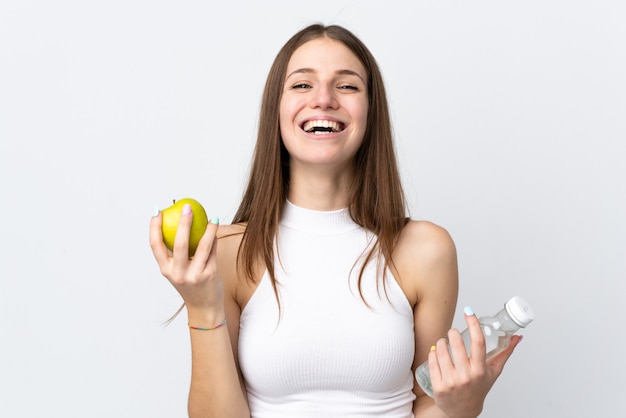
(376,199)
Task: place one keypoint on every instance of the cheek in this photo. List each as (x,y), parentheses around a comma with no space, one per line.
(360,112)
(286,113)
(286,124)
(365,107)
(358,108)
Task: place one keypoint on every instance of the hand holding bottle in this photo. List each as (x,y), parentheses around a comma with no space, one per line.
(460,371)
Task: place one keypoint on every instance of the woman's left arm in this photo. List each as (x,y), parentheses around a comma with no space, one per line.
(426,263)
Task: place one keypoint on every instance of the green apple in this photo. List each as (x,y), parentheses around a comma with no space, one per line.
(171,217)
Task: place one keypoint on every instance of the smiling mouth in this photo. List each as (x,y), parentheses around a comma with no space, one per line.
(322,127)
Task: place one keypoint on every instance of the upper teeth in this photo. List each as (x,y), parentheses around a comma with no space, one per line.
(309,126)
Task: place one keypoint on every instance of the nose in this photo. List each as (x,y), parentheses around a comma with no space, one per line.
(324,98)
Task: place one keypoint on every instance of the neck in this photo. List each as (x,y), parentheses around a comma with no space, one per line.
(319,189)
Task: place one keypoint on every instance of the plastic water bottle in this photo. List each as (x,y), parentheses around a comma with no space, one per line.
(497,329)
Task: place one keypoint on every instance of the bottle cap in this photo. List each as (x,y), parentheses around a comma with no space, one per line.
(519,311)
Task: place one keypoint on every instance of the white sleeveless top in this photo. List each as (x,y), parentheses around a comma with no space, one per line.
(329,355)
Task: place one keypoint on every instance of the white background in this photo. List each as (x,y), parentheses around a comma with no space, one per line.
(510,120)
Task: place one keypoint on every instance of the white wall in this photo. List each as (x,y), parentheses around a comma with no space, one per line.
(510,120)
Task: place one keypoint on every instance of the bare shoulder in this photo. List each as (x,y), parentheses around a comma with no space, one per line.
(229,231)
(425,258)
(230,235)
(228,240)
(231,271)
(425,242)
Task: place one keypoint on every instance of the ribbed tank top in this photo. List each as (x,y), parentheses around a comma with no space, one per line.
(329,354)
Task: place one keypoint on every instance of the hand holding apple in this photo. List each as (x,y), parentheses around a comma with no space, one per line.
(195,278)
(171,218)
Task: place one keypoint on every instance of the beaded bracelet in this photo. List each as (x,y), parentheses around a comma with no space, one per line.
(208,329)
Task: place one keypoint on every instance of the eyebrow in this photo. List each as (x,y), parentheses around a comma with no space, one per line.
(338,72)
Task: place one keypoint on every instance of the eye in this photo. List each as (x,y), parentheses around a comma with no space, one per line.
(301,86)
(348,87)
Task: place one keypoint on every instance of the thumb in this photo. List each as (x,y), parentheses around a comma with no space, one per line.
(496,364)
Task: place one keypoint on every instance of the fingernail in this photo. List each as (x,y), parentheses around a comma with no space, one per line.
(433,348)
(468,311)
(155,211)
(215,220)
(521,337)
(187,209)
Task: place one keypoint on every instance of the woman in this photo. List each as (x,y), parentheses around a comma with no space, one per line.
(332,296)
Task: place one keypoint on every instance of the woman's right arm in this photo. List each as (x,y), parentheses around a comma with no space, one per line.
(216,385)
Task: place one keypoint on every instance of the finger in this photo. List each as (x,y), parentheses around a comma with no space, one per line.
(458,350)
(181,241)
(156,240)
(211,265)
(446,365)
(206,243)
(433,367)
(214,224)
(477,339)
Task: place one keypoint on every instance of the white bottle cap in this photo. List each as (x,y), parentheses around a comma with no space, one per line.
(519,311)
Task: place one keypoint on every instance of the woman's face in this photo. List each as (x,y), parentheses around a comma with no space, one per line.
(324,104)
